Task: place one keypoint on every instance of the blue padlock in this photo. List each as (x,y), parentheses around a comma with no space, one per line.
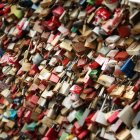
(34,6)
(128,67)
(13,114)
(82,2)
(1,52)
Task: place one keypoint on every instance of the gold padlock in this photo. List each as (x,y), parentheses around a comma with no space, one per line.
(124,134)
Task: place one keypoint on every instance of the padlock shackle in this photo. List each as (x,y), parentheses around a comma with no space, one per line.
(103,103)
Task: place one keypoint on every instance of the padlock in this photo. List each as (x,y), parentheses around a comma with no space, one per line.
(129,94)
(67,45)
(135,133)
(116,126)
(126,115)
(83,134)
(106,80)
(52,132)
(102,14)
(65,88)
(77,104)
(81,62)
(37,59)
(128,67)
(100,118)
(58,11)
(136,120)
(111,88)
(76,89)
(34,99)
(136,107)
(54,78)
(45,3)
(27,116)
(53,112)
(137,66)
(113,117)
(123,135)
(94,74)
(118,91)
(44,74)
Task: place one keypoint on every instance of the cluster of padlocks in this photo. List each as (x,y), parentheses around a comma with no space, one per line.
(70,69)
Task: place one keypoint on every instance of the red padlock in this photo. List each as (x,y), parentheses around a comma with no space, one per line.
(20,33)
(99,2)
(91,96)
(77,131)
(20,72)
(49,24)
(58,11)
(56,21)
(21,112)
(34,70)
(2,100)
(88,119)
(27,116)
(89,9)
(94,65)
(7,9)
(34,99)
(77,126)
(113,117)
(137,86)
(136,107)
(42,87)
(121,56)
(65,61)
(14,88)
(117,101)
(76,89)
(52,132)
(110,89)
(40,117)
(20,26)
(15,63)
(87,90)
(124,30)
(2,6)
(83,134)
(1,12)
(1,23)
(103,13)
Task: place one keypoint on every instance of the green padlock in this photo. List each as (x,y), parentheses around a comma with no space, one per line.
(17,12)
(31,126)
(91,1)
(94,74)
(79,115)
(64,136)
(74,29)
